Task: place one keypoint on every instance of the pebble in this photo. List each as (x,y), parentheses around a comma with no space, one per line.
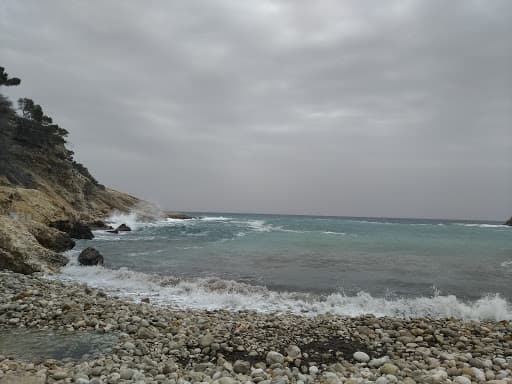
(361,357)
(274,357)
(241,366)
(389,369)
(462,380)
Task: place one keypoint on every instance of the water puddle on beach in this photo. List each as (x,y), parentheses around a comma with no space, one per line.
(33,344)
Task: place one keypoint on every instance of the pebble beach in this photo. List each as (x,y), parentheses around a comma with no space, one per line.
(161,344)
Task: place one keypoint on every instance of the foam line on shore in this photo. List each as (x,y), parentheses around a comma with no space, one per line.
(214,293)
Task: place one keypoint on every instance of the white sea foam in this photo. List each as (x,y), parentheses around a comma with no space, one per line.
(130,219)
(214,293)
(215,218)
(483,225)
(507,265)
(255,225)
(333,233)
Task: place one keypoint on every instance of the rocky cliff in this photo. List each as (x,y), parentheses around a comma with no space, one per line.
(40,182)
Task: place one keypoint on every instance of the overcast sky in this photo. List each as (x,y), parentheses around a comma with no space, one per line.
(367,108)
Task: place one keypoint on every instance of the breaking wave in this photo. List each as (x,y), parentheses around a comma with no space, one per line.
(215,293)
(483,225)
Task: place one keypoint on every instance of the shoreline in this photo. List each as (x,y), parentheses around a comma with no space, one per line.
(159,344)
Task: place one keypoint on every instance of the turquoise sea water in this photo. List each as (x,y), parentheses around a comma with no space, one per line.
(309,264)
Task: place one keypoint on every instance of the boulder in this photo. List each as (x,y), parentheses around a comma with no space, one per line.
(75,229)
(509,222)
(123,228)
(90,256)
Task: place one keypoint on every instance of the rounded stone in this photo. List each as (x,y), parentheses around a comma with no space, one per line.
(389,369)
(241,366)
(293,352)
(462,380)
(361,357)
(274,357)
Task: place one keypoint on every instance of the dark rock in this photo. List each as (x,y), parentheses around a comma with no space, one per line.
(76,230)
(113,231)
(49,237)
(53,239)
(509,222)
(90,256)
(123,228)
(177,215)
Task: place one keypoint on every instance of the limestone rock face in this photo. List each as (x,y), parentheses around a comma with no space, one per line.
(21,252)
(50,238)
(40,180)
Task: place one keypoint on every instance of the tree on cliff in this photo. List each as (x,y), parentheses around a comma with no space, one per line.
(34,112)
(5,80)
(5,104)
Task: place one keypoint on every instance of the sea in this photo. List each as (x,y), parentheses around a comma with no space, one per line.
(309,265)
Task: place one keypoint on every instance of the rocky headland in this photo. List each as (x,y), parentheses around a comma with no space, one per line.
(47,198)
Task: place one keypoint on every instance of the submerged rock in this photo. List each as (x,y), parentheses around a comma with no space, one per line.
(90,256)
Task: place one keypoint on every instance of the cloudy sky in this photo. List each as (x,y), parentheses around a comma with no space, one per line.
(367,108)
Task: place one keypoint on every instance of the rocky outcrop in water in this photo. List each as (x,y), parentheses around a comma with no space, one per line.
(123,228)
(509,222)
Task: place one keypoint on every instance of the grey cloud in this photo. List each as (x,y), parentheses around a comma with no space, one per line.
(326,107)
